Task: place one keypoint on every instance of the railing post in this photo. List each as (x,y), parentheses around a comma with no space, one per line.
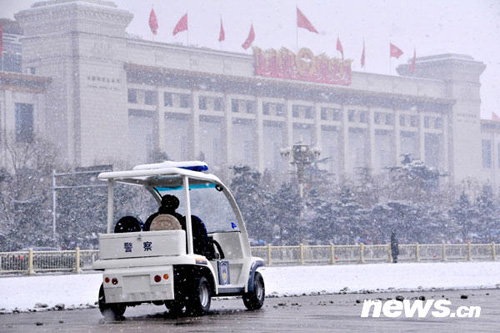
(31,270)
(361,253)
(269,254)
(332,254)
(390,252)
(77,260)
(469,252)
(301,254)
(417,252)
(443,252)
(493,251)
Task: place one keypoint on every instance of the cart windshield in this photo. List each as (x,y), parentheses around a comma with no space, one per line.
(209,203)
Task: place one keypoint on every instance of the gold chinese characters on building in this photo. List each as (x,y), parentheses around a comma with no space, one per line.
(304,66)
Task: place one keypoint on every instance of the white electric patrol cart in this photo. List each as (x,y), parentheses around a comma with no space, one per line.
(160,266)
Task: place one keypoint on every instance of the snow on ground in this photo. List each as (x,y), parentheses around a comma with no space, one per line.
(22,293)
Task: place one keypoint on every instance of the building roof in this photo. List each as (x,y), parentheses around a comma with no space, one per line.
(21,82)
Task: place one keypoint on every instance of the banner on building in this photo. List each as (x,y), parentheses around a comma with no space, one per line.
(303,66)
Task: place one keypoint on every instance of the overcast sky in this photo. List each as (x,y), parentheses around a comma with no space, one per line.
(470,27)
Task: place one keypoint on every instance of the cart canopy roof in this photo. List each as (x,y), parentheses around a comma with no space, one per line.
(166,175)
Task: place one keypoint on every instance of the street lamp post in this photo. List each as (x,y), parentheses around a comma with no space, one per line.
(301,155)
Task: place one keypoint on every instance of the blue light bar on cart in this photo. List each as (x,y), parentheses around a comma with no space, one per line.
(189,165)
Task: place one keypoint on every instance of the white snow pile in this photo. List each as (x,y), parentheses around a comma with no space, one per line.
(58,292)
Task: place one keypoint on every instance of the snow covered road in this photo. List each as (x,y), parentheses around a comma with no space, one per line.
(80,290)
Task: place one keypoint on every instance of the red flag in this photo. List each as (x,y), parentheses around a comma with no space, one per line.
(303,22)
(250,38)
(182,25)
(412,66)
(1,40)
(340,48)
(363,56)
(153,22)
(495,117)
(222,34)
(395,51)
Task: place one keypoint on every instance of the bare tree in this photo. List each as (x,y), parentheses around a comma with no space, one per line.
(24,190)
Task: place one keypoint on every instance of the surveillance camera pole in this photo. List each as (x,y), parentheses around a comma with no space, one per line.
(301,155)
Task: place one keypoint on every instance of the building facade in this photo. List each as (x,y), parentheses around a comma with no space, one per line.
(113,97)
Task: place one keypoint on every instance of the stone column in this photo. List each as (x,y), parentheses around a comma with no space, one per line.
(371,139)
(228,129)
(259,134)
(195,125)
(344,143)
(397,137)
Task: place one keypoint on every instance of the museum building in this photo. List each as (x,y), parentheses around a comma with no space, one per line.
(104,96)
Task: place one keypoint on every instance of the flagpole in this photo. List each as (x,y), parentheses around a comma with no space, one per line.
(297,39)
(390,59)
(297,29)
(152,33)
(364,56)
(187,13)
(336,44)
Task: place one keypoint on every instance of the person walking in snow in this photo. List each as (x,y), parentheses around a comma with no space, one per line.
(394,248)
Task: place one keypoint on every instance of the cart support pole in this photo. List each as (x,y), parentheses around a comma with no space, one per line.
(111,212)
(189,229)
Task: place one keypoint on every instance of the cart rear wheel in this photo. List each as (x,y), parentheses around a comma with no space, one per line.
(110,311)
(200,299)
(254,300)
(174,307)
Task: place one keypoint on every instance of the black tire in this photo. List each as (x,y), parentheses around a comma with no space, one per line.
(110,311)
(200,298)
(174,307)
(255,300)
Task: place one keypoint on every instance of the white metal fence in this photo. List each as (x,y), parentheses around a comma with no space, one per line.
(31,262)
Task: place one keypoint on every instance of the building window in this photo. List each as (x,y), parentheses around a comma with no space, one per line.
(24,122)
(150,98)
(235,105)
(376,118)
(250,107)
(324,113)
(414,121)
(167,99)
(402,120)
(184,101)
(295,111)
(389,119)
(202,102)
(309,112)
(350,115)
(427,122)
(337,114)
(280,110)
(265,108)
(218,104)
(11,62)
(487,154)
(438,123)
(363,117)
(132,96)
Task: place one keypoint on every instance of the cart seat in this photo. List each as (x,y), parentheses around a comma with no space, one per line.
(165,222)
